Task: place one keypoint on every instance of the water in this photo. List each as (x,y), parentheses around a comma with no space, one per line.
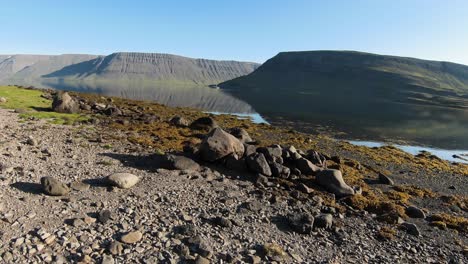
(254,117)
(414,150)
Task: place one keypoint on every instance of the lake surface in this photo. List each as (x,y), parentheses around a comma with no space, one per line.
(399,123)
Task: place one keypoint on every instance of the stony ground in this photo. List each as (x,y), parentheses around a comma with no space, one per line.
(213,215)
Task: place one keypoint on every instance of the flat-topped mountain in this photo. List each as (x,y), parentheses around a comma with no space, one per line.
(27,67)
(157,67)
(353,77)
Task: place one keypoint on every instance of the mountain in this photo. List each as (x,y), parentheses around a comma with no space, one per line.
(346,81)
(27,67)
(171,69)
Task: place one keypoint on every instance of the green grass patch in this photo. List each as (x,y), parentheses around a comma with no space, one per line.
(35,106)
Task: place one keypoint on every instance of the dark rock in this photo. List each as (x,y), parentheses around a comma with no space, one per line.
(324,221)
(306,167)
(272,154)
(279,170)
(176,162)
(204,123)
(332,180)
(384,179)
(179,121)
(302,223)
(234,163)
(261,180)
(54,187)
(317,158)
(64,103)
(112,111)
(222,221)
(258,163)
(219,144)
(410,228)
(415,212)
(104,216)
(241,134)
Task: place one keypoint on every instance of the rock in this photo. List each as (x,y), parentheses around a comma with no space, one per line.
(279,170)
(54,187)
(258,163)
(317,158)
(241,134)
(261,180)
(332,180)
(324,221)
(222,221)
(306,167)
(177,162)
(115,248)
(123,180)
(304,188)
(77,222)
(234,163)
(107,259)
(112,111)
(179,121)
(384,179)
(32,141)
(204,123)
(131,237)
(104,216)
(415,212)
(410,228)
(272,153)
(219,144)
(3,100)
(89,220)
(302,223)
(249,150)
(201,260)
(290,153)
(79,186)
(64,103)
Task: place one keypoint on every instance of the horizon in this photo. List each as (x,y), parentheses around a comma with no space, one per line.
(240,31)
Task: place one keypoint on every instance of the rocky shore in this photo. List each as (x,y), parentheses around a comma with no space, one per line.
(136,182)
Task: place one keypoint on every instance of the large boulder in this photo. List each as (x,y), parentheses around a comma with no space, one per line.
(241,134)
(176,162)
(219,144)
(179,121)
(272,154)
(306,167)
(258,163)
(204,123)
(332,180)
(64,103)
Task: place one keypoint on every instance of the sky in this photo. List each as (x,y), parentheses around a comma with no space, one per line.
(246,30)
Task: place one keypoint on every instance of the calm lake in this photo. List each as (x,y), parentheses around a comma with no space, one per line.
(443,131)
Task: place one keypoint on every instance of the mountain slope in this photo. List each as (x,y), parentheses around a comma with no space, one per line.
(156,67)
(349,80)
(27,67)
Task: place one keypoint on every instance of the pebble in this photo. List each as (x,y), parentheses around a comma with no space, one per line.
(131,237)
(123,180)
(54,187)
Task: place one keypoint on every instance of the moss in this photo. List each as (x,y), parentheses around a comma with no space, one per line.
(35,106)
(398,196)
(386,233)
(387,211)
(273,250)
(454,222)
(415,191)
(439,224)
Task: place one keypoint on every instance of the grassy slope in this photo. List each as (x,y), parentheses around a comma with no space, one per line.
(34,106)
(294,79)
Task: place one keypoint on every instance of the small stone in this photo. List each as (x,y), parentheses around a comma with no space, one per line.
(222,221)
(202,260)
(123,180)
(79,186)
(104,216)
(107,259)
(115,248)
(32,141)
(77,222)
(89,220)
(131,237)
(3,100)
(54,187)
(410,228)
(301,223)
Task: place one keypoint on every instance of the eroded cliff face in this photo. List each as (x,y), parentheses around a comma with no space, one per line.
(26,67)
(155,66)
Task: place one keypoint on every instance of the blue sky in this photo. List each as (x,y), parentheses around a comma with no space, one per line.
(252,30)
